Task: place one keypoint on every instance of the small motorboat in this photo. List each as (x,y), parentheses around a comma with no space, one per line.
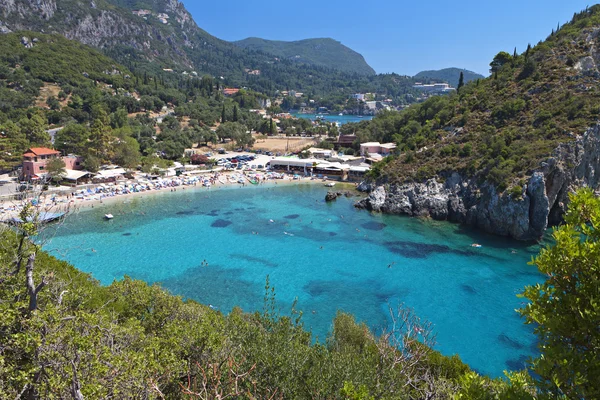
(108,216)
(330,184)
(476,245)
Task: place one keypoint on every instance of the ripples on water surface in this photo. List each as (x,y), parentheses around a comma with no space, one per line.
(217,246)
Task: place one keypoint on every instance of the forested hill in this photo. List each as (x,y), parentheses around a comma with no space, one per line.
(450,75)
(161,34)
(323,52)
(501,128)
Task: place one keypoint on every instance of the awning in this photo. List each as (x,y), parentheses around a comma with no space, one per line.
(73,175)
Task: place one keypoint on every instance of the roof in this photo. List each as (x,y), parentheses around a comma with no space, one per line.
(370,144)
(388,145)
(73,175)
(41,151)
(110,173)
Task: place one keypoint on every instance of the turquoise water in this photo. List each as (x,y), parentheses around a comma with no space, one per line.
(342,119)
(200,244)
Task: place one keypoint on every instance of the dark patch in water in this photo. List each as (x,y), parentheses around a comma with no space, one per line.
(374,226)
(292,216)
(221,223)
(516,364)
(316,288)
(255,260)
(126,234)
(468,289)
(421,250)
(184,213)
(508,342)
(213,214)
(229,213)
(332,234)
(214,285)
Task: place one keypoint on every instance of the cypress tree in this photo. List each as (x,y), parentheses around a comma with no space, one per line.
(461,81)
(235,113)
(223,114)
(271,126)
(515,53)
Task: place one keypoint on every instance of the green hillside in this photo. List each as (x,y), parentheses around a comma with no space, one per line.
(324,52)
(144,43)
(449,75)
(500,128)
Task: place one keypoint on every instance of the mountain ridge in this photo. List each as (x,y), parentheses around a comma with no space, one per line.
(326,52)
(450,75)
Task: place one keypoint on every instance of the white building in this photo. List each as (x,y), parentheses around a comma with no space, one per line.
(434,87)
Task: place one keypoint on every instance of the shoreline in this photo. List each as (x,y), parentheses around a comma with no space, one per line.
(76,201)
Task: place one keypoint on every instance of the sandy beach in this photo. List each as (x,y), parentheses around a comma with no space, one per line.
(81,198)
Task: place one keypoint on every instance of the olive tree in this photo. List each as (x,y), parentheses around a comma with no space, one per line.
(565,309)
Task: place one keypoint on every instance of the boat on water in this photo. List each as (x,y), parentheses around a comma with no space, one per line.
(330,184)
(108,216)
(341,114)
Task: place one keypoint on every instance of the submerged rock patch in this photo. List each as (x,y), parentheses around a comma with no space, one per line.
(374,226)
(221,223)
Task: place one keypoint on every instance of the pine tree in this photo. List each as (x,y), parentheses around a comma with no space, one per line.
(461,80)
(223,119)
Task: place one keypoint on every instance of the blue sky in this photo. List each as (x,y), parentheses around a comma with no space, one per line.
(395,35)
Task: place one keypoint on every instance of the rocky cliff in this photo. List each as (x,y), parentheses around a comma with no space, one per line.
(166,32)
(457,198)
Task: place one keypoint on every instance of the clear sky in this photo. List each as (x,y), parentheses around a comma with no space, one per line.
(395,35)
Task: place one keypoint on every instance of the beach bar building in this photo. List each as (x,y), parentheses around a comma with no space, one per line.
(289,164)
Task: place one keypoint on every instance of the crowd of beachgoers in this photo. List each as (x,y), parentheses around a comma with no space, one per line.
(97,193)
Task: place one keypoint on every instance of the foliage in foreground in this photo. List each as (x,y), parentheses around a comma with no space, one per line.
(566,308)
(137,341)
(69,337)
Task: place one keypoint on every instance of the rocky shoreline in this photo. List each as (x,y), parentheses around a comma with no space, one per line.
(464,200)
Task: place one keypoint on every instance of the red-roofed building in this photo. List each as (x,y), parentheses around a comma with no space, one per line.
(35,160)
(230,91)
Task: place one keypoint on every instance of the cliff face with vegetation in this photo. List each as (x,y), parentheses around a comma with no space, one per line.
(523,214)
(504,152)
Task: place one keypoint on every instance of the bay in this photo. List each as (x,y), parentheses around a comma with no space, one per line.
(218,246)
(341,119)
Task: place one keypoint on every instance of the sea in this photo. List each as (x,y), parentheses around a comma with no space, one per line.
(219,245)
(341,119)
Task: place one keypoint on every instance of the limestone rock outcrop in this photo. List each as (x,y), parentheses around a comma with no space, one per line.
(461,199)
